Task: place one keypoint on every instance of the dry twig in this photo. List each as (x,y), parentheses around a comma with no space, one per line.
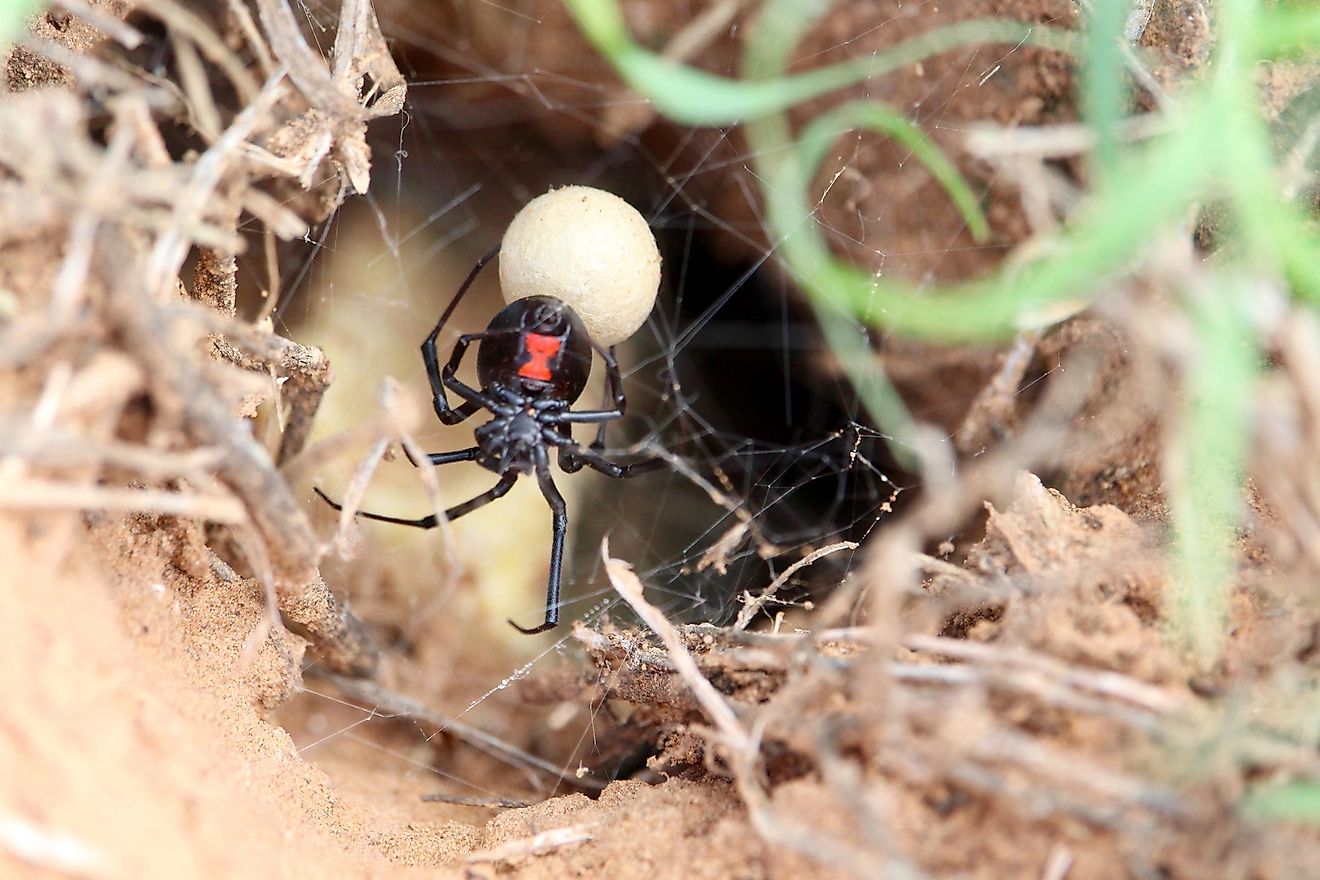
(495,803)
(753,605)
(743,747)
(537,844)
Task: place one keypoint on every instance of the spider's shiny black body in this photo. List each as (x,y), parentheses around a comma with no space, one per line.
(533,361)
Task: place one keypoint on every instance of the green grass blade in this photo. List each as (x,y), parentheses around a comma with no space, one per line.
(1104,85)
(777,30)
(1150,191)
(1153,190)
(13,17)
(1208,460)
(693,97)
(825,129)
(1299,246)
(1284,802)
(1286,31)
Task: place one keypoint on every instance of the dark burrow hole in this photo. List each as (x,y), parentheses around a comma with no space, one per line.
(743,389)
(736,377)
(731,376)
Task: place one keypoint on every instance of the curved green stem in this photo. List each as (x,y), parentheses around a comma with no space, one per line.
(826,128)
(693,97)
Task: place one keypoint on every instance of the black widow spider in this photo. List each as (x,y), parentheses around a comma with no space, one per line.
(532,365)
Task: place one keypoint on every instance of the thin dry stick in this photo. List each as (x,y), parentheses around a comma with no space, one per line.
(744,748)
(279,220)
(462,800)
(546,841)
(306,67)
(989,141)
(60,448)
(993,406)
(427,472)
(302,465)
(1058,864)
(383,431)
(179,18)
(627,584)
(171,248)
(764,547)
(52,851)
(133,112)
(647,676)
(248,25)
(204,114)
(754,605)
(272,291)
(1100,681)
(70,283)
(359,49)
(43,417)
(1072,777)
(1031,684)
(357,486)
(718,553)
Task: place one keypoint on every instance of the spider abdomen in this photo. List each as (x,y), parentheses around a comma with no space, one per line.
(536,345)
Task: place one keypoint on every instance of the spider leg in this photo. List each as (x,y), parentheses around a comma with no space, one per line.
(585,416)
(560,437)
(446,414)
(572,457)
(614,393)
(429,522)
(473,399)
(460,413)
(613,389)
(439,458)
(449,379)
(560,511)
(594,460)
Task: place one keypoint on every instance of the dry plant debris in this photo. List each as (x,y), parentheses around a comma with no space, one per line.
(96,259)
(1050,710)
(1014,713)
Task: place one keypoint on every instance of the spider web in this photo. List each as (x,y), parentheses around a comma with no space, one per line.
(770,453)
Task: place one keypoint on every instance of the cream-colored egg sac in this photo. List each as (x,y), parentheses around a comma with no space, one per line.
(590,249)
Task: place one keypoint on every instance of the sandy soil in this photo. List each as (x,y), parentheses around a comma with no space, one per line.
(135,669)
(1021,715)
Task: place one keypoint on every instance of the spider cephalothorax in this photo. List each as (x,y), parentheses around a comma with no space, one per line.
(533,360)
